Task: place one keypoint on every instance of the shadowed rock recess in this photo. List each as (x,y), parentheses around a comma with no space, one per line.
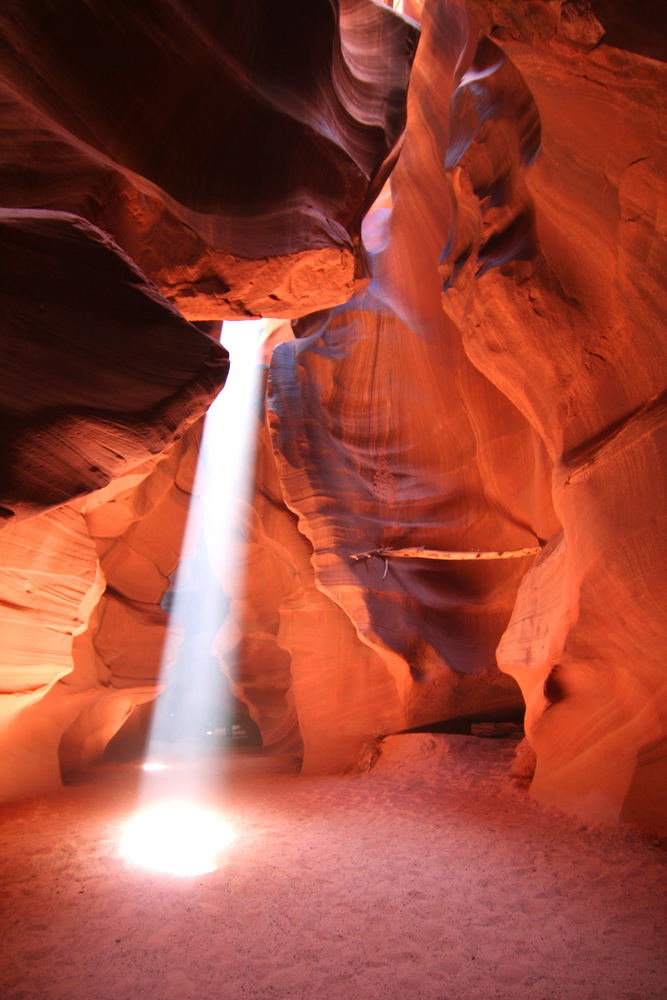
(461,207)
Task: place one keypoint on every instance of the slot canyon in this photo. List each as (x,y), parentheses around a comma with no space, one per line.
(438,720)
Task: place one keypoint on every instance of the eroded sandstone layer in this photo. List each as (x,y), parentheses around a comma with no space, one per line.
(227,153)
(515,391)
(99,370)
(228,148)
(387,436)
(100,374)
(576,340)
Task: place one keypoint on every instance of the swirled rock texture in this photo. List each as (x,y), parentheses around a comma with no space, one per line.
(230,149)
(575,340)
(387,436)
(81,621)
(502,379)
(48,588)
(230,152)
(483,369)
(100,374)
(99,371)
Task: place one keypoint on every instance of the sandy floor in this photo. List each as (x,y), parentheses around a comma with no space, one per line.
(432,878)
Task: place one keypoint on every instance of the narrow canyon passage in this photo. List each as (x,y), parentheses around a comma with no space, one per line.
(433,877)
(435,512)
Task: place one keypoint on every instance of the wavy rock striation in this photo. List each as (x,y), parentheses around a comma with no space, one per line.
(99,370)
(81,619)
(100,374)
(386,435)
(495,381)
(230,149)
(502,379)
(575,340)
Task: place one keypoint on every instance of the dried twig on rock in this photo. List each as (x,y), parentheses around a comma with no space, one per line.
(422,553)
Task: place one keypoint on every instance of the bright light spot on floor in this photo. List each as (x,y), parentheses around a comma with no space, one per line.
(175,837)
(154,765)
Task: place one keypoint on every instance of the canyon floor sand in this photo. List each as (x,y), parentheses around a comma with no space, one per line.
(434,877)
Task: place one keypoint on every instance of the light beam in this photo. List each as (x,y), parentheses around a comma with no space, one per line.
(171,831)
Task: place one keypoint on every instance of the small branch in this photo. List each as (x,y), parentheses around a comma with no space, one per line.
(421,553)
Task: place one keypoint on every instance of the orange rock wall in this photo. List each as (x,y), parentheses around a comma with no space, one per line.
(494,375)
(81,623)
(526,398)
(586,320)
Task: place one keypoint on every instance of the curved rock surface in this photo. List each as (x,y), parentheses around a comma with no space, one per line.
(230,148)
(533,407)
(99,370)
(100,374)
(80,617)
(48,588)
(586,320)
(496,381)
(386,436)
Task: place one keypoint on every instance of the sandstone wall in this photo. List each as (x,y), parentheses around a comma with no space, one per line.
(485,371)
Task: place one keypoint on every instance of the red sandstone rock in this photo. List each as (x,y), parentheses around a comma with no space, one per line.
(48,588)
(575,340)
(501,379)
(99,372)
(82,630)
(553,282)
(230,148)
(293,643)
(386,435)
